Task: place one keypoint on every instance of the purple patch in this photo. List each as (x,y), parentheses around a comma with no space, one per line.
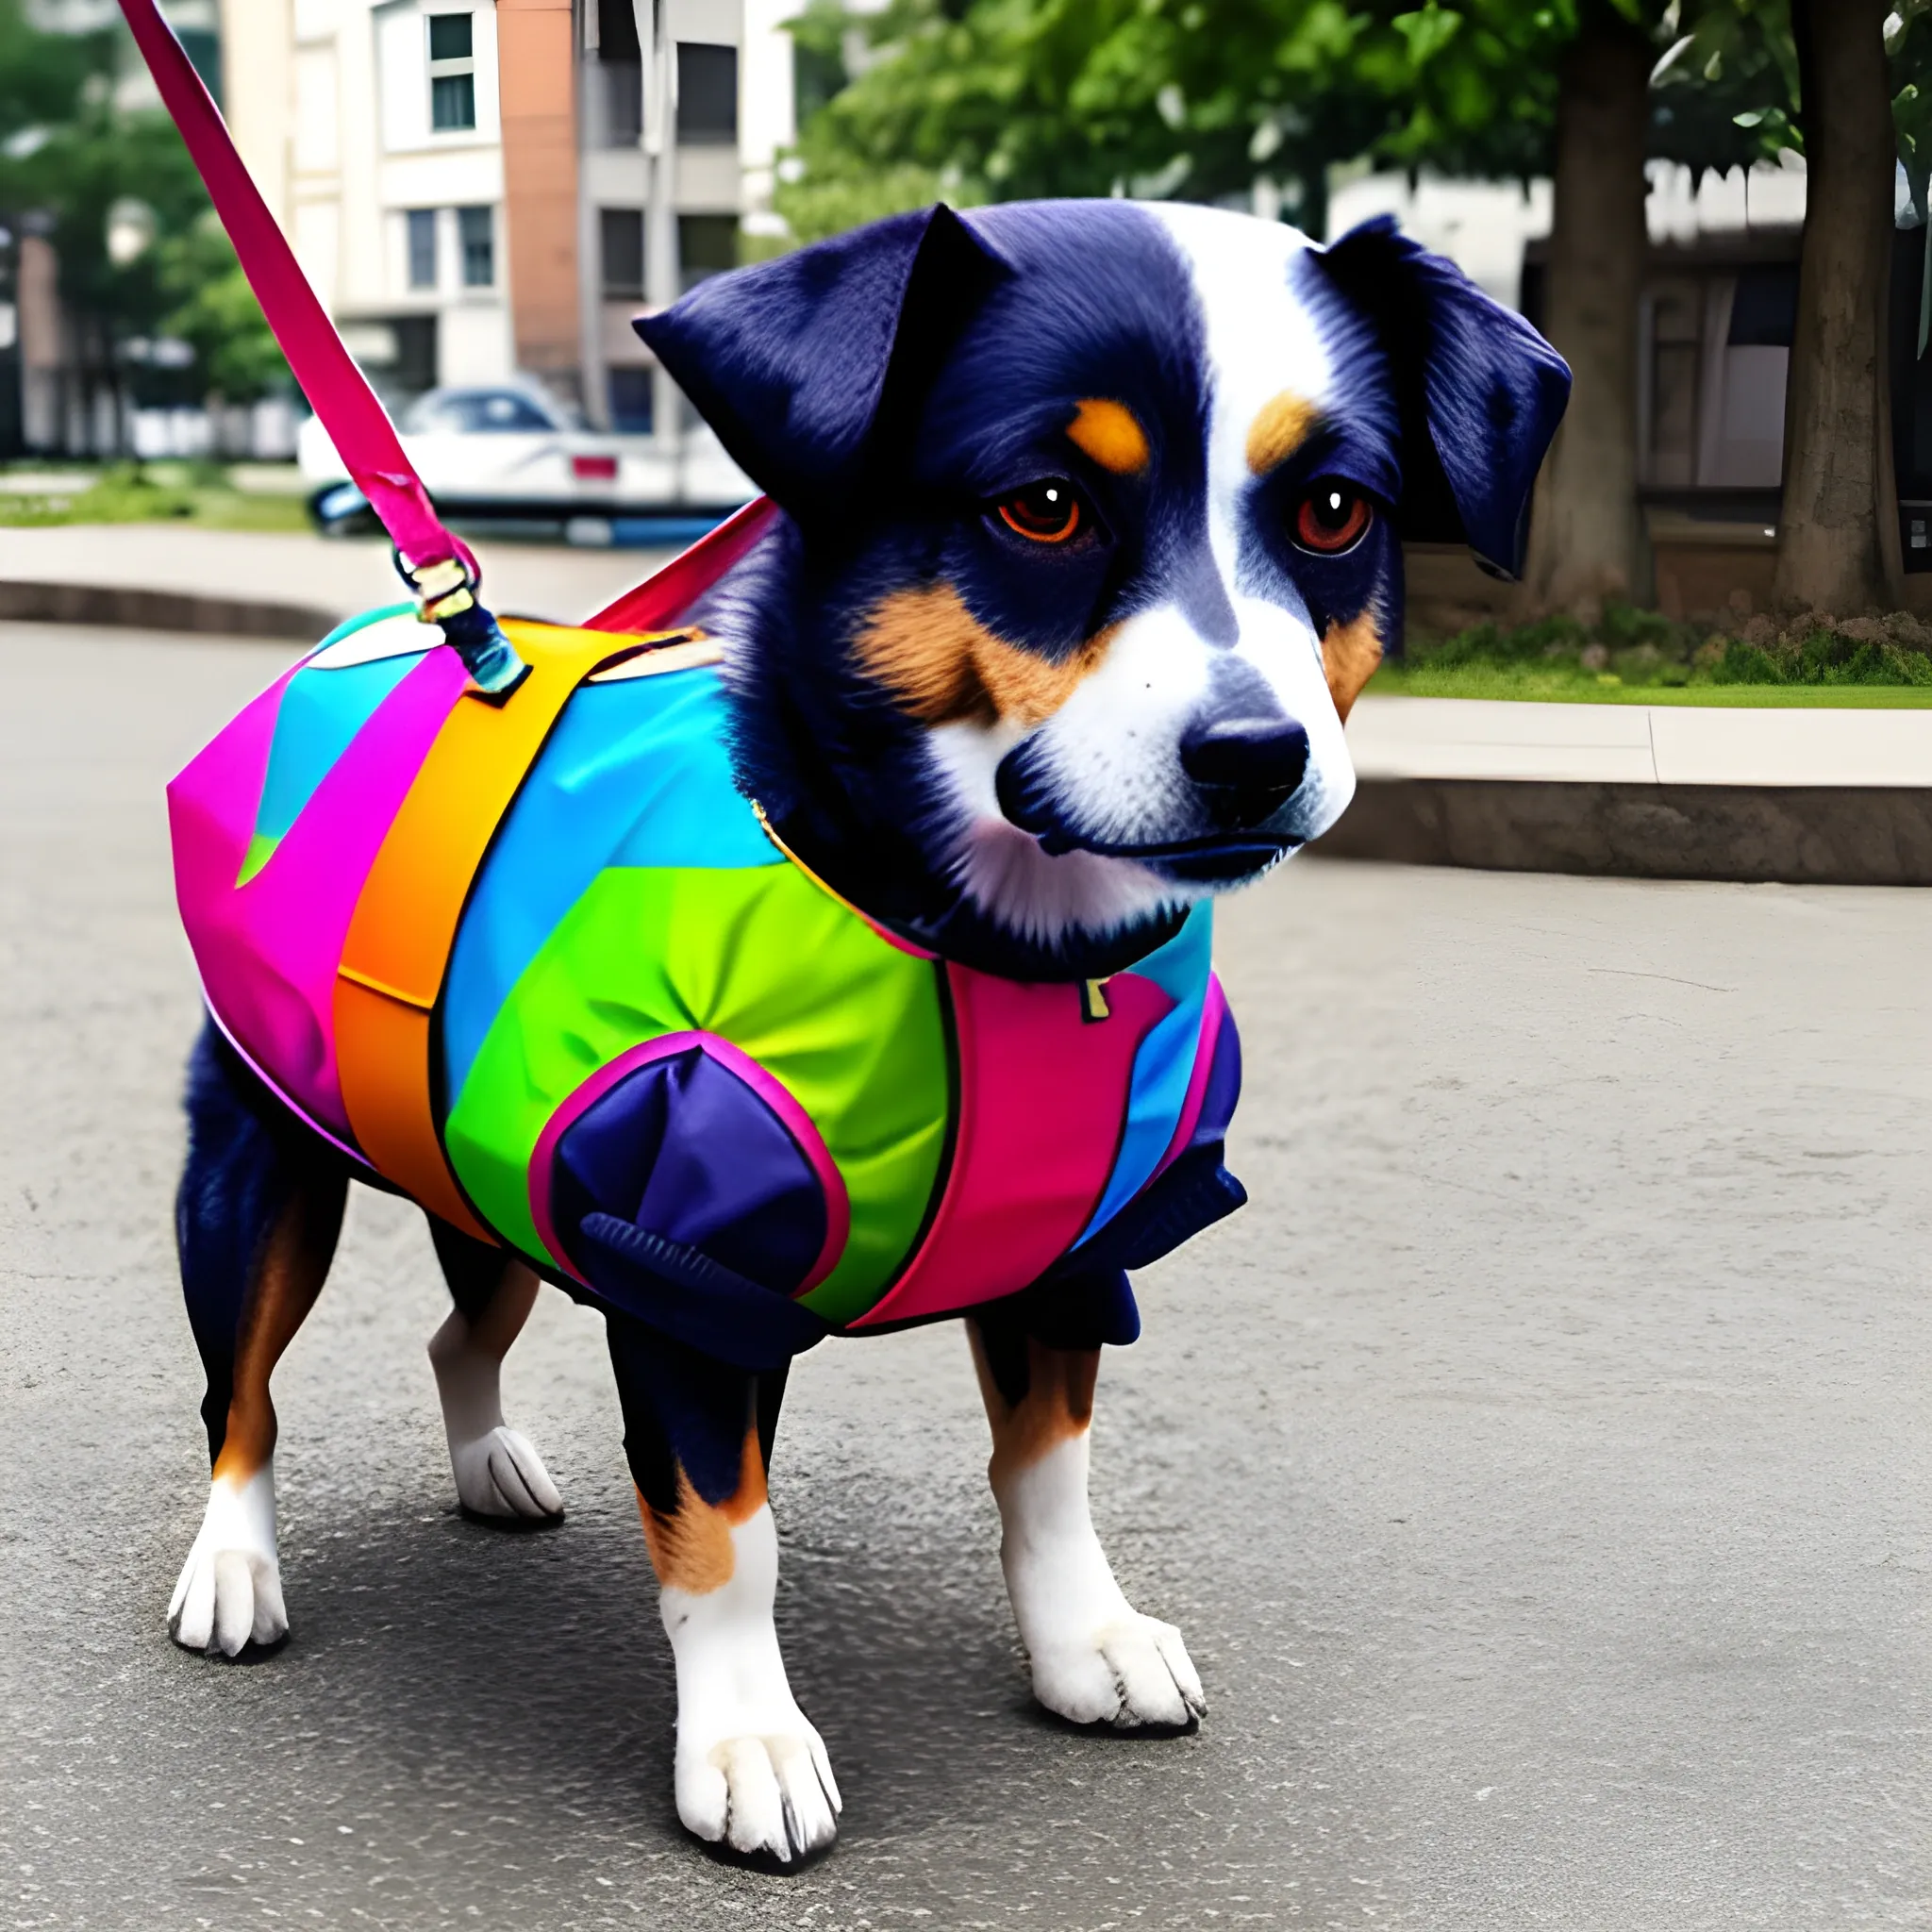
(691,1139)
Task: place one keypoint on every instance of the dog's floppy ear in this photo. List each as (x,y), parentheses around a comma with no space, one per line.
(795,362)
(1480,392)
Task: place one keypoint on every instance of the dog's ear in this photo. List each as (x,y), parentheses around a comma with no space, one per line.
(1479,393)
(796,362)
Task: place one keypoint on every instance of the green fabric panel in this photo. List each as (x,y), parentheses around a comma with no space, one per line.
(764,957)
(262,847)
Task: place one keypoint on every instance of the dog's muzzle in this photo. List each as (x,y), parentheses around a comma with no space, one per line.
(1244,772)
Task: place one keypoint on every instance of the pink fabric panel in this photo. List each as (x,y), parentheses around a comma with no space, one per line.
(1213,1012)
(1042,1095)
(248,1060)
(268,951)
(775,1095)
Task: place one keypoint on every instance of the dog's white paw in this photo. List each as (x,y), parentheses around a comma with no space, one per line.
(230,1591)
(1129,1672)
(501,1474)
(498,1474)
(751,1772)
(1095,1658)
(764,1787)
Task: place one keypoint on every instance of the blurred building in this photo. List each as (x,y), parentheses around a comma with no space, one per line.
(485,191)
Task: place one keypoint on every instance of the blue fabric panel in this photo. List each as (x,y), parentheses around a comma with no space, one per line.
(682,1148)
(321,712)
(636,773)
(1163,1066)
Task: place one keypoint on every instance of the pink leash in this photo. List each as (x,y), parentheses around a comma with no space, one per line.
(437,565)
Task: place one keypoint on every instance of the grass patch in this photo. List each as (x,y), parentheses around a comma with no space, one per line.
(201,494)
(1638,657)
(1472,681)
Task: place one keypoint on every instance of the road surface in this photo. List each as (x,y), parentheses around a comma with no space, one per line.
(1538,1467)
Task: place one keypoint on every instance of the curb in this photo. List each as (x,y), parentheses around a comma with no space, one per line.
(1824,835)
(127,605)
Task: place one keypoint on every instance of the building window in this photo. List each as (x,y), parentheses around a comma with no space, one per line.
(621,235)
(452,72)
(477,232)
(707,93)
(706,245)
(618,77)
(422,232)
(1764,310)
(631,400)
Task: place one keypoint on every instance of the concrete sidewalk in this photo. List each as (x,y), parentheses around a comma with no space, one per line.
(1638,745)
(324,578)
(1800,796)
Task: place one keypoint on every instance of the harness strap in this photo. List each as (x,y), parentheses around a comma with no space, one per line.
(439,566)
(405,922)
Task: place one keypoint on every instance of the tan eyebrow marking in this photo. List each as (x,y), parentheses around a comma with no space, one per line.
(942,664)
(1350,654)
(1279,429)
(1109,433)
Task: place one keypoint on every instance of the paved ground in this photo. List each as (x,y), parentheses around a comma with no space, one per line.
(340,574)
(1537,1468)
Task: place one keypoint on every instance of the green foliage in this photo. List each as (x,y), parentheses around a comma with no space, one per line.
(127,492)
(1725,90)
(67,155)
(42,76)
(1001,99)
(217,315)
(998,99)
(1635,649)
(834,198)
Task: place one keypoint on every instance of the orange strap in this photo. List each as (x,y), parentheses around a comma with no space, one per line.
(406,920)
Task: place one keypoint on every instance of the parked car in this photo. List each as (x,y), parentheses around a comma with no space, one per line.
(510,452)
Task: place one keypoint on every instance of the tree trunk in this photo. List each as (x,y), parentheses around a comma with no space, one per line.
(1586,542)
(1831,553)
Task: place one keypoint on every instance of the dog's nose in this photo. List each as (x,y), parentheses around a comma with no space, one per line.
(1249,767)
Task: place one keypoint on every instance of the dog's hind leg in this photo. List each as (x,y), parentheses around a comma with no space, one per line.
(257,1217)
(751,1772)
(1095,1658)
(498,1474)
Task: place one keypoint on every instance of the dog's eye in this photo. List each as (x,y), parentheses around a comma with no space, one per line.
(1331,518)
(1047,512)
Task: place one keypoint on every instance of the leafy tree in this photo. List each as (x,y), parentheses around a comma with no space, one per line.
(1007,99)
(216,314)
(992,99)
(1837,539)
(42,76)
(68,159)
(1854,101)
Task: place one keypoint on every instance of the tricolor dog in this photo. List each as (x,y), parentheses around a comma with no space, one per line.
(837,959)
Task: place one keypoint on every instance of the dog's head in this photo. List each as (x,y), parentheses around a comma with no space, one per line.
(1093,536)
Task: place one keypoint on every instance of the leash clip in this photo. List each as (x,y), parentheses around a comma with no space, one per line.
(445,591)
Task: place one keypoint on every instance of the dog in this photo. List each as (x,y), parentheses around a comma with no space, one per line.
(842,959)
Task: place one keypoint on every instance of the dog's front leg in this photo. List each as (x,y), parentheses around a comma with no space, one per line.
(1095,1658)
(751,1770)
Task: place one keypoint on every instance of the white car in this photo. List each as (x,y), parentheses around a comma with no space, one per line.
(507,452)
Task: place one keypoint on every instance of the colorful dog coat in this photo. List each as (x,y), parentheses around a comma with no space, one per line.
(542,966)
